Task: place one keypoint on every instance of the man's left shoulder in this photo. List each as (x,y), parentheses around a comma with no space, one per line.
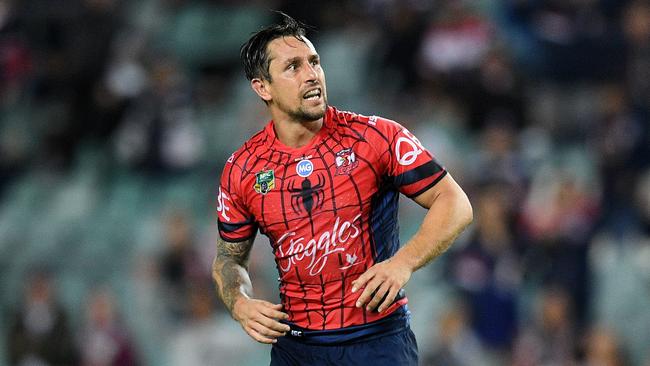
(358,121)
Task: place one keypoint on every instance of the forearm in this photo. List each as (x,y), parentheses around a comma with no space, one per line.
(259,318)
(233,281)
(230,272)
(449,214)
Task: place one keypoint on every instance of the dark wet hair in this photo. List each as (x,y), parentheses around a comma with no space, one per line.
(253,53)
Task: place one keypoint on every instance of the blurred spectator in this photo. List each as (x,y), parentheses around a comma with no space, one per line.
(15,55)
(39,333)
(573,44)
(104,340)
(180,264)
(495,93)
(70,45)
(569,33)
(559,217)
(620,261)
(636,26)
(619,142)
(602,349)
(159,134)
(401,29)
(454,43)
(90,36)
(15,68)
(498,158)
(549,338)
(487,270)
(458,344)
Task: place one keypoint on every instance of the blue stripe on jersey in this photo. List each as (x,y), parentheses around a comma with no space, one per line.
(225,229)
(393,323)
(414,175)
(426,188)
(384,224)
(232,227)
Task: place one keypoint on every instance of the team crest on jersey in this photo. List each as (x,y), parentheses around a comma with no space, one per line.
(264,181)
(346,161)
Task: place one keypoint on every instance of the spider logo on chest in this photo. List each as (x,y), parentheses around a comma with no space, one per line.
(308,196)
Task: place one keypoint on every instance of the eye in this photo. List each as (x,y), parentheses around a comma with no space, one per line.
(292,66)
(315,61)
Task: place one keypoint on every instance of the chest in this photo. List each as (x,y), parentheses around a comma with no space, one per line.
(309,192)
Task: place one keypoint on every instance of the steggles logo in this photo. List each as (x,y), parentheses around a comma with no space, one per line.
(317,251)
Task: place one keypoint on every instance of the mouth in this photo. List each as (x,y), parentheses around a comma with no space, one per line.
(313,94)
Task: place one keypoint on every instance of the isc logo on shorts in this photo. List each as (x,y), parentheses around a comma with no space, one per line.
(296,333)
(304,168)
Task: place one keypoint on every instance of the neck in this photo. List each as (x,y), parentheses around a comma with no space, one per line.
(296,134)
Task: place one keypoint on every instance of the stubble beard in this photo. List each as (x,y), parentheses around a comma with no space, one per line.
(302,115)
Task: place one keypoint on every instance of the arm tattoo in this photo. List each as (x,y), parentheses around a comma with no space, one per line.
(230,271)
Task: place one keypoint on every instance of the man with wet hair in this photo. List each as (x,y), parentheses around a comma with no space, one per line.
(323,185)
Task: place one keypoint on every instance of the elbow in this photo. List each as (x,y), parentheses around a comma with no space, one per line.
(465,210)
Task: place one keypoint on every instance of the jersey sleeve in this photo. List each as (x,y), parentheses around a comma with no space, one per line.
(408,164)
(235,221)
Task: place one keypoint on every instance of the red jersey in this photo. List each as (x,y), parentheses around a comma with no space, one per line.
(329,209)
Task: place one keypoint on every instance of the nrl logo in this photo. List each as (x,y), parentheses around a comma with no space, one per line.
(264,181)
(346,161)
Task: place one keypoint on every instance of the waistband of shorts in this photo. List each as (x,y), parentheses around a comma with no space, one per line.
(395,322)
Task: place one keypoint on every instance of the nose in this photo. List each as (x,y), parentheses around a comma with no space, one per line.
(311,74)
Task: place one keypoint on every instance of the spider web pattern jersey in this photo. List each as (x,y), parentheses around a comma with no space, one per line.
(329,210)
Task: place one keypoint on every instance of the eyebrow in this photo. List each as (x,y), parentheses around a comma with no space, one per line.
(292,60)
(298,58)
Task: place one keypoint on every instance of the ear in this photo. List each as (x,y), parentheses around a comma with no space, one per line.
(261,87)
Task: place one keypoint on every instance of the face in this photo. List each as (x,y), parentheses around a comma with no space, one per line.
(297,88)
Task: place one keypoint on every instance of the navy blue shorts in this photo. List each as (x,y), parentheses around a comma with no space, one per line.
(389,350)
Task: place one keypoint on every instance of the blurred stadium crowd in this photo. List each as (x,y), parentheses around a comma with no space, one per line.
(117,117)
